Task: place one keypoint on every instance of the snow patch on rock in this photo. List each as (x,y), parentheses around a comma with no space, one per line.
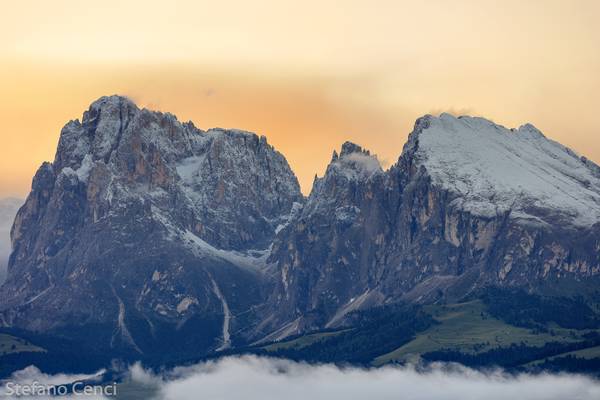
(185,304)
(83,172)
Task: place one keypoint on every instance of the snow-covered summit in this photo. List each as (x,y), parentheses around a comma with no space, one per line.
(494,170)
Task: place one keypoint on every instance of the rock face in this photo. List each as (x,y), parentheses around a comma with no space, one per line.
(468,204)
(8,210)
(326,254)
(146,233)
(146,228)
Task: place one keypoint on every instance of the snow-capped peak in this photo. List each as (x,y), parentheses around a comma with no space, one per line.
(493,169)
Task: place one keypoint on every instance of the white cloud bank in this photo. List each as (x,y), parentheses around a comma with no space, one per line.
(256,378)
(32,380)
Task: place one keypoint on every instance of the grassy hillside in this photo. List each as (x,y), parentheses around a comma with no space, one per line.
(585,354)
(11,344)
(464,332)
(301,341)
(369,333)
(468,328)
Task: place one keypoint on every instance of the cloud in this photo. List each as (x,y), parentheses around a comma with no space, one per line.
(365,165)
(8,210)
(31,377)
(456,111)
(254,378)
(259,378)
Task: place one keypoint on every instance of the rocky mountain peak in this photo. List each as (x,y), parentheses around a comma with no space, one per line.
(114,100)
(98,133)
(350,148)
(353,163)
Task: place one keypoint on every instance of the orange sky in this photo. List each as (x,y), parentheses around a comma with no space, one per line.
(308,75)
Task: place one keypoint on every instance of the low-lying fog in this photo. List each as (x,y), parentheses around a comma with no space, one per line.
(256,378)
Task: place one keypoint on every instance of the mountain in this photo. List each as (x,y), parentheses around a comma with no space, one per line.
(150,238)
(146,231)
(8,210)
(469,204)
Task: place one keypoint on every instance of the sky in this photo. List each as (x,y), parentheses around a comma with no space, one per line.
(255,378)
(308,75)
